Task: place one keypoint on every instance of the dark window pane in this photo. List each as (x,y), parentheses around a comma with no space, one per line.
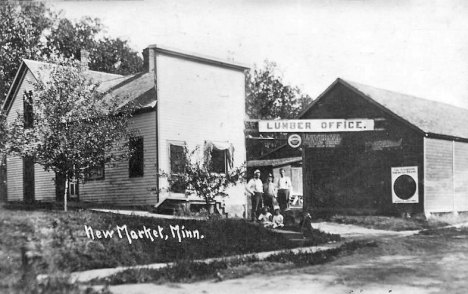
(177,166)
(218,161)
(177,159)
(136,166)
(28,110)
(95,173)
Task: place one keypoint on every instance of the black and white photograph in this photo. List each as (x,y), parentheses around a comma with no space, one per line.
(221,146)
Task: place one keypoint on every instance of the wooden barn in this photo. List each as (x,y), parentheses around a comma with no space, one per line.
(415,160)
(185,100)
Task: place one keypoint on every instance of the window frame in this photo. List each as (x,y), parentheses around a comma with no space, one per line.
(170,174)
(87,176)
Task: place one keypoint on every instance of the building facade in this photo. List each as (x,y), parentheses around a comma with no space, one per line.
(184,100)
(415,160)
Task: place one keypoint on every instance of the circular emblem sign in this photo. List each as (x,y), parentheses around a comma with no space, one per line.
(404,187)
(294,140)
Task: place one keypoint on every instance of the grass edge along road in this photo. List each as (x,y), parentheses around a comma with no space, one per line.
(58,242)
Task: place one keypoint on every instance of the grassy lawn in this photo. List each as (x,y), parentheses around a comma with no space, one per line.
(63,242)
(187,271)
(394,223)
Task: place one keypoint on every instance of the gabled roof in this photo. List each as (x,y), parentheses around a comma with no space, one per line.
(42,70)
(139,88)
(429,117)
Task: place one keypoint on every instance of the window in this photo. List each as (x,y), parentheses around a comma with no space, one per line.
(28,110)
(219,156)
(218,161)
(95,173)
(177,160)
(136,166)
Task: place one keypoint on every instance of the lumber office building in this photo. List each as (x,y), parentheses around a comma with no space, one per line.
(414,161)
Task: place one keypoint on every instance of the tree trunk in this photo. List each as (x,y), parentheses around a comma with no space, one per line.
(65,194)
(210,207)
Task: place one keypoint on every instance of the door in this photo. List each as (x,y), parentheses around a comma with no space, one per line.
(73,190)
(28,180)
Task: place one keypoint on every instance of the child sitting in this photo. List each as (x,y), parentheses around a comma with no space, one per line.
(265,218)
(277,219)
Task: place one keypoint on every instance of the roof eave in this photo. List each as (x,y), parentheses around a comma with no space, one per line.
(303,112)
(446,137)
(380,106)
(196,57)
(16,82)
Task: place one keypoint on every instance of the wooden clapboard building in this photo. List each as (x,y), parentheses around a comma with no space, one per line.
(184,99)
(414,161)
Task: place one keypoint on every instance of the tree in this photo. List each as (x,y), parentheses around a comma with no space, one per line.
(30,30)
(69,127)
(21,29)
(198,178)
(106,54)
(115,56)
(269,98)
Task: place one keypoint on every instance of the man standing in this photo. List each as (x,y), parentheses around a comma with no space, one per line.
(255,188)
(284,190)
(269,193)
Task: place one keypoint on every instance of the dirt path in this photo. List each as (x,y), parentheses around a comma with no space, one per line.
(411,264)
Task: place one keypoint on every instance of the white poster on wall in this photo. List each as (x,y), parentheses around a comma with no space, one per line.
(405,184)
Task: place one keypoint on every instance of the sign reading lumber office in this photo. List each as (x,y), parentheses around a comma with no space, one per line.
(315,125)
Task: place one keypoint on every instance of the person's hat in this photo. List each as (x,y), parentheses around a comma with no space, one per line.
(257,171)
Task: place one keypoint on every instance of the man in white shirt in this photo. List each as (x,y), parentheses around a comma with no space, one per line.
(284,190)
(255,188)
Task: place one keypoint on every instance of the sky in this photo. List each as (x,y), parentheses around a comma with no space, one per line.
(415,47)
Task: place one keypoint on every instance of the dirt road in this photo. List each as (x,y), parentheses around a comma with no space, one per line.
(410,264)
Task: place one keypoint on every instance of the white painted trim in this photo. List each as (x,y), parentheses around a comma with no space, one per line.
(455,211)
(305,193)
(426,213)
(197,57)
(158,128)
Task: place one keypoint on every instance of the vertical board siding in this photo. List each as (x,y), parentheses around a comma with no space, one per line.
(461,176)
(44,184)
(296,178)
(117,187)
(199,102)
(14,172)
(439,176)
